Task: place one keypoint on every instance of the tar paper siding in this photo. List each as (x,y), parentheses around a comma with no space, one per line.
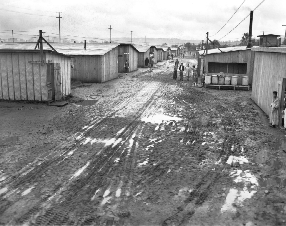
(244,56)
(23,77)
(95,68)
(269,71)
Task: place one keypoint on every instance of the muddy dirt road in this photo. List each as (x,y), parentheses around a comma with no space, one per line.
(145,150)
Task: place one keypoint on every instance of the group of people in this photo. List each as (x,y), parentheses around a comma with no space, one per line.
(191,72)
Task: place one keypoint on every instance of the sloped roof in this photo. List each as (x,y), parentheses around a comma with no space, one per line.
(142,48)
(224,50)
(269,35)
(64,48)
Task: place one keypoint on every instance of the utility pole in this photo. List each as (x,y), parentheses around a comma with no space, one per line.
(41,46)
(207,43)
(110,33)
(59,26)
(13,35)
(250,30)
(131,36)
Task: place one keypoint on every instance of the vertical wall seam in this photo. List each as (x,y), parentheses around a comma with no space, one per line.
(33,77)
(13,76)
(19,76)
(7,76)
(26,76)
(1,81)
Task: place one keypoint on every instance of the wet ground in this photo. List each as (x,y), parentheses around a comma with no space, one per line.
(142,150)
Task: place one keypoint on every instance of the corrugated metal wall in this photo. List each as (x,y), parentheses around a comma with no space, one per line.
(23,77)
(246,56)
(269,70)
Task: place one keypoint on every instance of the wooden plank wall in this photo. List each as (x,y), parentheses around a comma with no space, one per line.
(159,55)
(141,59)
(245,56)
(20,78)
(65,65)
(133,59)
(269,69)
(110,60)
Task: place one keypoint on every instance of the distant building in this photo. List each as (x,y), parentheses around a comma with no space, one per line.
(269,40)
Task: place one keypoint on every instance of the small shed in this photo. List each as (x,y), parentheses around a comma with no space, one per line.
(127,51)
(231,61)
(26,75)
(143,53)
(96,63)
(269,75)
(269,40)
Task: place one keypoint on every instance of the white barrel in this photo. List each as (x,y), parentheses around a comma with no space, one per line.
(245,80)
(214,79)
(208,79)
(234,80)
(227,80)
(221,80)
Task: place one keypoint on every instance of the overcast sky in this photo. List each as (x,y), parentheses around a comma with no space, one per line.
(184,19)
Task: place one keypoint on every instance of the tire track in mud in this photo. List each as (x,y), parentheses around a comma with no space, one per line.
(100,167)
(57,154)
(204,186)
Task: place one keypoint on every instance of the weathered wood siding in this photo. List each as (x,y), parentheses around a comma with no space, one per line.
(159,55)
(87,68)
(65,70)
(23,77)
(142,57)
(127,52)
(245,56)
(110,61)
(269,70)
(95,68)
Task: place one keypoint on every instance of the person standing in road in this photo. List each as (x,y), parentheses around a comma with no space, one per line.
(274,118)
(195,76)
(175,73)
(181,69)
(177,62)
(146,62)
(126,66)
(188,71)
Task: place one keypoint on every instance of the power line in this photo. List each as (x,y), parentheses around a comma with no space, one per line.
(229,18)
(32,14)
(242,20)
